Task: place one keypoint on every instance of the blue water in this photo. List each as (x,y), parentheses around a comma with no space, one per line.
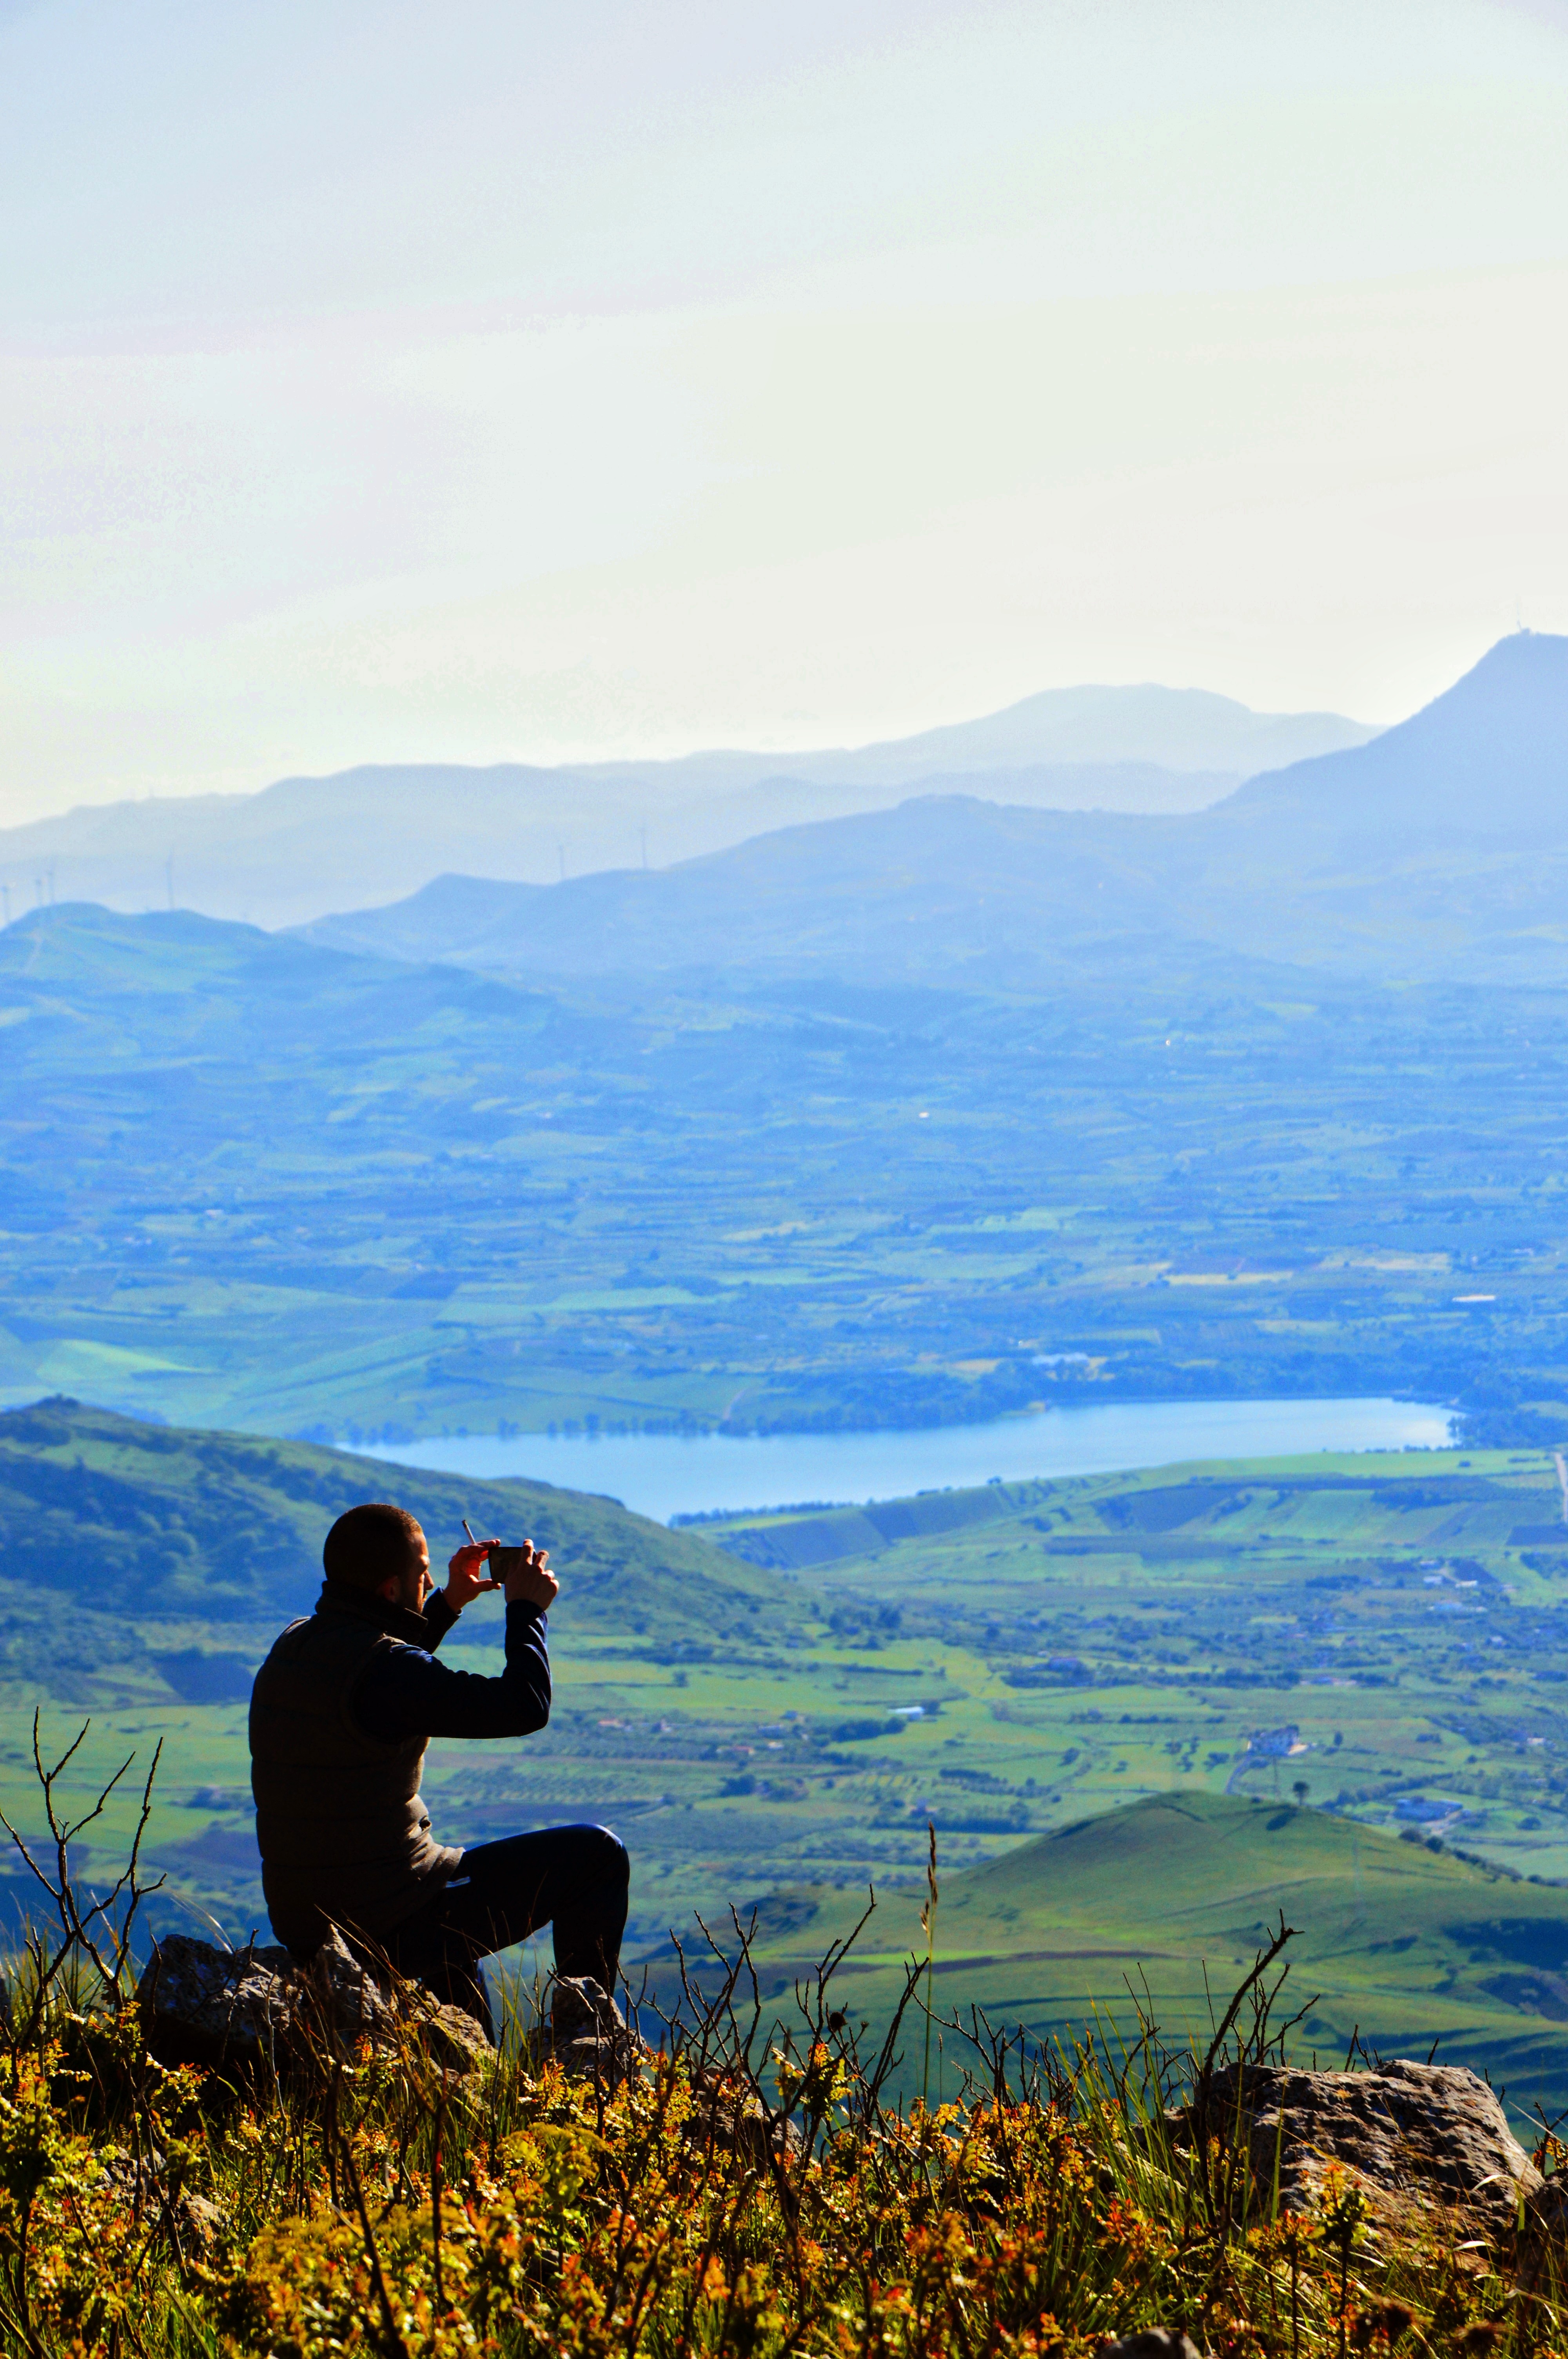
(665,1474)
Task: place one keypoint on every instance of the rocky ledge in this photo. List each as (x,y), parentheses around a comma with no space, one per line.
(1427,2133)
(258,2009)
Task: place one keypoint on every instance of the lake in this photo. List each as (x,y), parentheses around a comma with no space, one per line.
(668,1474)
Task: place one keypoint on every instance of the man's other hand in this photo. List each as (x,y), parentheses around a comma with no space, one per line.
(465,1575)
(533,1583)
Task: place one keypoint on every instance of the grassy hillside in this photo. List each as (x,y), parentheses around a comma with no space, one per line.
(227,1529)
(1168,1900)
(375,2203)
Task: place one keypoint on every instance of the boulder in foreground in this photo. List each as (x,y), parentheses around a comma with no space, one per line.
(1407,2134)
(257,2009)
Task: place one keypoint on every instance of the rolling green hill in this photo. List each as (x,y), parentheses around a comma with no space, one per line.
(1167,1902)
(226,1529)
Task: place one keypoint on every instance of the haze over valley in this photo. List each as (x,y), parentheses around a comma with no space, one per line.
(307,845)
(786,800)
(929,1114)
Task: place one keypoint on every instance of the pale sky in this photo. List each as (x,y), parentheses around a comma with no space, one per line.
(381,382)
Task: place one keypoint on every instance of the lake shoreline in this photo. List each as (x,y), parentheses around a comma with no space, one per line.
(665,1476)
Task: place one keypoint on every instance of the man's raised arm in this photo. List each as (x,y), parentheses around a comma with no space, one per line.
(406,1692)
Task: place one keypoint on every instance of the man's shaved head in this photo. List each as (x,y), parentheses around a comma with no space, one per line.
(372,1544)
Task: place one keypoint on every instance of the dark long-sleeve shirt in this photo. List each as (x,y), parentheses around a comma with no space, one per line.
(405,1692)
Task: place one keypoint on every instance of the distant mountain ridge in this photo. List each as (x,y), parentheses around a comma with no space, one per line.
(1175,729)
(1439,848)
(1486,761)
(306,846)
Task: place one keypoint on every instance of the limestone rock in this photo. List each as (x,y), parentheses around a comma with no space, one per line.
(1408,2133)
(587,2034)
(740,2126)
(451,2038)
(341,2002)
(141,2182)
(1152,2343)
(204,2006)
(246,2010)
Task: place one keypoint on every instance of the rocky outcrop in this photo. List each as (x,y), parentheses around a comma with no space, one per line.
(1406,2133)
(144,2185)
(587,2035)
(203,2005)
(257,2009)
(1152,2343)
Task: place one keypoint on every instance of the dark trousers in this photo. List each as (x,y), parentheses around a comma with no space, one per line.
(574,1879)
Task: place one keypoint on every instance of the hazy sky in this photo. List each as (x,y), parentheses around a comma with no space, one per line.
(502,381)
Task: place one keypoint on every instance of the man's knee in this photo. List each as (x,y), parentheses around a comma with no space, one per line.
(607,1858)
(596,1861)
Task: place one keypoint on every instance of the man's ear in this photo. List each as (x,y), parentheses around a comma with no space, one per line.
(389,1589)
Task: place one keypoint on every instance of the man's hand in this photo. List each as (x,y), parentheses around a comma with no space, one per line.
(465,1575)
(532,1582)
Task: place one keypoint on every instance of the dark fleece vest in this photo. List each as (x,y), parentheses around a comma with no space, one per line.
(343,1835)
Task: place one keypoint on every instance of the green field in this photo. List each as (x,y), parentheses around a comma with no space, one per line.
(1381,1636)
(1387,1631)
(254,1182)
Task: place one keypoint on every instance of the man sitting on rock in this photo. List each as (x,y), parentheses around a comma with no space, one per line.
(341,1713)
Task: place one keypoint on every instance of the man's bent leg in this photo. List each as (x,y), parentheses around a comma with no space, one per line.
(574,1879)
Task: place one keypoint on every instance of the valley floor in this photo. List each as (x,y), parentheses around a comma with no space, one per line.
(1371,1646)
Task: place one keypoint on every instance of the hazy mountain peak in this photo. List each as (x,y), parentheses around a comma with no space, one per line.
(1486,758)
(1439,847)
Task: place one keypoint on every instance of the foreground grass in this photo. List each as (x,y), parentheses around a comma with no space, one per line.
(752,2186)
(373,2204)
